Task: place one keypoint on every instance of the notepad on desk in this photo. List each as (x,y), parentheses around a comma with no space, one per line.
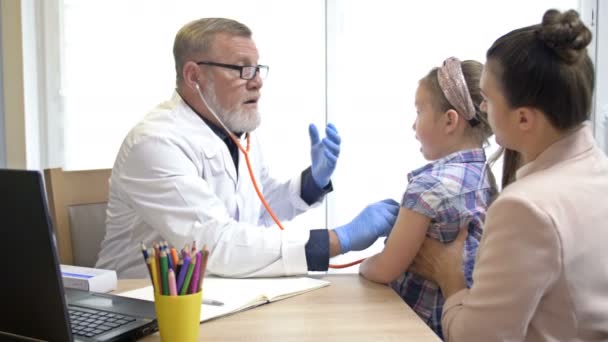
(242,294)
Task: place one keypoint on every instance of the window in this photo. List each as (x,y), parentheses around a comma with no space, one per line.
(117,64)
(372,102)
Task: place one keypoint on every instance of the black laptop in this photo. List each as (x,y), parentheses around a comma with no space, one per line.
(34,305)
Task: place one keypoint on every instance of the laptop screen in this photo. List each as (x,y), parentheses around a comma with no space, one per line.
(31,290)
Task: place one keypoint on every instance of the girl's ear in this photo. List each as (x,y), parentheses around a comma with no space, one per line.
(451,120)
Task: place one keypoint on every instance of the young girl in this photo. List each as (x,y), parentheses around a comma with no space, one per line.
(453,191)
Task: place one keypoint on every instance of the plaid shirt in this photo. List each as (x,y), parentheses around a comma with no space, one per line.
(454,191)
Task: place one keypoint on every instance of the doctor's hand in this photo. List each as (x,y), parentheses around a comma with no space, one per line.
(324,153)
(374,221)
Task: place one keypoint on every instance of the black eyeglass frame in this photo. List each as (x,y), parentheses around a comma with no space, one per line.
(262,70)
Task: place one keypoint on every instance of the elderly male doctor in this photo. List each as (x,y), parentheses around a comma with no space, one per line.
(179,177)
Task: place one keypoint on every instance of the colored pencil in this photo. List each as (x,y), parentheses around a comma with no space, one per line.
(178,267)
(164,268)
(186,283)
(169,259)
(195,274)
(175,257)
(204,258)
(182,272)
(172,285)
(157,256)
(186,250)
(152,262)
(144,251)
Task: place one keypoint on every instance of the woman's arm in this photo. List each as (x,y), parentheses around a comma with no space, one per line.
(402,245)
(518,260)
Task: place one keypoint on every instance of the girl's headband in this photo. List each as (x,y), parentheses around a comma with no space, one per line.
(454,88)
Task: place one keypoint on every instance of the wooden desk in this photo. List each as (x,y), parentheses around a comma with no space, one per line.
(350,309)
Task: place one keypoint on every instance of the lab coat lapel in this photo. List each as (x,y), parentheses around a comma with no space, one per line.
(211,144)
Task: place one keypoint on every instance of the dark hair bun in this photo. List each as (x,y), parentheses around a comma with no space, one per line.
(566,34)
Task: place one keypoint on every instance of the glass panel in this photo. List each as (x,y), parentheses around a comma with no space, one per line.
(118,64)
(380,50)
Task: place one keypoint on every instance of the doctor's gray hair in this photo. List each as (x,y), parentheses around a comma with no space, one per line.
(195,38)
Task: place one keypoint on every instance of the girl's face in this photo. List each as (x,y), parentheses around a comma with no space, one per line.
(428,124)
(501,117)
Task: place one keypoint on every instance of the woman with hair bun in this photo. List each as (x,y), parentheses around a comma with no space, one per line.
(540,272)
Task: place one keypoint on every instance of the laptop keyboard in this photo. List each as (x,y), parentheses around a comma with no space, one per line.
(89,323)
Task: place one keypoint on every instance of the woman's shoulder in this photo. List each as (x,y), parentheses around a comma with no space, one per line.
(529,191)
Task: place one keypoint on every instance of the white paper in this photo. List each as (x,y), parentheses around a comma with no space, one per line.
(241,294)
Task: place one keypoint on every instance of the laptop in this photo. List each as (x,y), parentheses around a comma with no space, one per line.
(34,306)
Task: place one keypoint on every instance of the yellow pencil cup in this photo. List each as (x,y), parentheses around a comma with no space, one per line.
(178,316)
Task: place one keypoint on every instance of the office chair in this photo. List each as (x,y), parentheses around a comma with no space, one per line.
(78,201)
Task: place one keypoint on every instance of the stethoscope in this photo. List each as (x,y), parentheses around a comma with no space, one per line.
(245,152)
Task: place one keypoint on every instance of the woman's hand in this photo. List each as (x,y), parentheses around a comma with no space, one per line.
(442,263)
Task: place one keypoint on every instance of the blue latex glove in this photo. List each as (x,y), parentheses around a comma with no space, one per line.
(324,153)
(374,221)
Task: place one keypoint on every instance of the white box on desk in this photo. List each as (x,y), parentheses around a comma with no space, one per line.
(88,279)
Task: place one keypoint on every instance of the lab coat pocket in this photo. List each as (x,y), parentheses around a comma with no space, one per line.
(216,164)
(221,173)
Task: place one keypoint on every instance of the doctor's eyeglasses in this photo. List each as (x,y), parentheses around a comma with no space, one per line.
(247,72)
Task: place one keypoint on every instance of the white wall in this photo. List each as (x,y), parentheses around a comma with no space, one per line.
(21,22)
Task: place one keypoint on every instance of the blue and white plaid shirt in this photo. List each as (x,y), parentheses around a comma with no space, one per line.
(454,191)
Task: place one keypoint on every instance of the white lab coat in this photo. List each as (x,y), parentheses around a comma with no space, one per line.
(174,180)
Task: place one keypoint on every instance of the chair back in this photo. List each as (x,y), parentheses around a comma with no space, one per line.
(78,201)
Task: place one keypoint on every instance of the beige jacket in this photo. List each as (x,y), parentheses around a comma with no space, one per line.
(541,272)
